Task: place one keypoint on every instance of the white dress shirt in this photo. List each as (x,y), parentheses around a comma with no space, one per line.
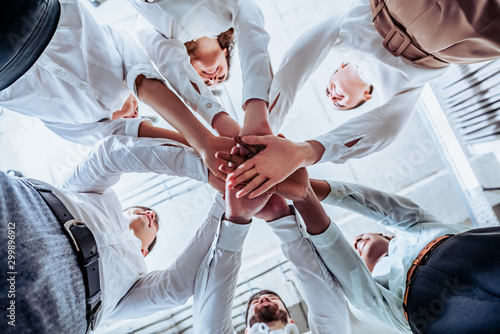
(84,75)
(378,298)
(397,82)
(168,24)
(322,292)
(87,195)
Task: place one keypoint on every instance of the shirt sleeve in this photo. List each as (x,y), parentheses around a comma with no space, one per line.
(372,302)
(116,155)
(164,289)
(90,133)
(322,292)
(299,62)
(371,131)
(216,280)
(172,60)
(253,42)
(135,61)
(389,210)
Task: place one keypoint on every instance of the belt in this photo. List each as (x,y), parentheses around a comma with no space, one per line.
(397,41)
(421,259)
(85,247)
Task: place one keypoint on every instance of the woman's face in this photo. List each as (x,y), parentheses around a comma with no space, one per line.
(210,62)
(346,89)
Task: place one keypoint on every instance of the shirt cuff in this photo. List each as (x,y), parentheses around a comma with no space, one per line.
(208,109)
(256,88)
(327,238)
(132,126)
(287,228)
(142,69)
(334,148)
(232,236)
(337,193)
(196,169)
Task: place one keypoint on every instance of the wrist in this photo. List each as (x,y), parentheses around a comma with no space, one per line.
(305,201)
(225,125)
(311,152)
(280,213)
(236,219)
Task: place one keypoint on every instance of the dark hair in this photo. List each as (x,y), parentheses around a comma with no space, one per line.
(257,295)
(226,41)
(157,221)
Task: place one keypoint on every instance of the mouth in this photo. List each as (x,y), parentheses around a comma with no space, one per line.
(211,73)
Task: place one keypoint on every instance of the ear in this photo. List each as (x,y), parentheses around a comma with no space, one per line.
(144,252)
(246,330)
(225,51)
(290,321)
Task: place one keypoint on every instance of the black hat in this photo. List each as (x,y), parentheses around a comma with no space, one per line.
(26,28)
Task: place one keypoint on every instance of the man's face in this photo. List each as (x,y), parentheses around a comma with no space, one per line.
(144,225)
(265,309)
(371,247)
(346,89)
(210,62)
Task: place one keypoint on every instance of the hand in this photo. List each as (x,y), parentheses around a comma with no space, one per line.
(207,152)
(296,187)
(241,210)
(277,161)
(275,208)
(216,183)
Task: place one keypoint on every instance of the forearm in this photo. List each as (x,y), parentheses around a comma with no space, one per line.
(311,152)
(225,125)
(147,129)
(321,188)
(173,110)
(315,217)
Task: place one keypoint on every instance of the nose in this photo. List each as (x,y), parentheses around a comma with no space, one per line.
(151,214)
(264,299)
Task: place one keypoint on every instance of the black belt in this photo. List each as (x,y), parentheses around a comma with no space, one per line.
(85,247)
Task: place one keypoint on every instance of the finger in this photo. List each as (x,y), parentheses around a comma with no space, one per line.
(249,164)
(255,183)
(252,148)
(262,189)
(233,158)
(219,174)
(247,176)
(226,169)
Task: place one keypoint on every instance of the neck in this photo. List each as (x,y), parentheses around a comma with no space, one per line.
(274,325)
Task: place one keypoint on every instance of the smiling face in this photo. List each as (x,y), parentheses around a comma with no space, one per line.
(144,224)
(346,90)
(371,247)
(209,61)
(266,307)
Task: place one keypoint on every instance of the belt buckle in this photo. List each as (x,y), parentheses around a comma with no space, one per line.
(406,40)
(68,225)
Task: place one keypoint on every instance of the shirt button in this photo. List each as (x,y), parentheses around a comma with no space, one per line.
(96,95)
(339,192)
(208,105)
(334,147)
(58,71)
(82,86)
